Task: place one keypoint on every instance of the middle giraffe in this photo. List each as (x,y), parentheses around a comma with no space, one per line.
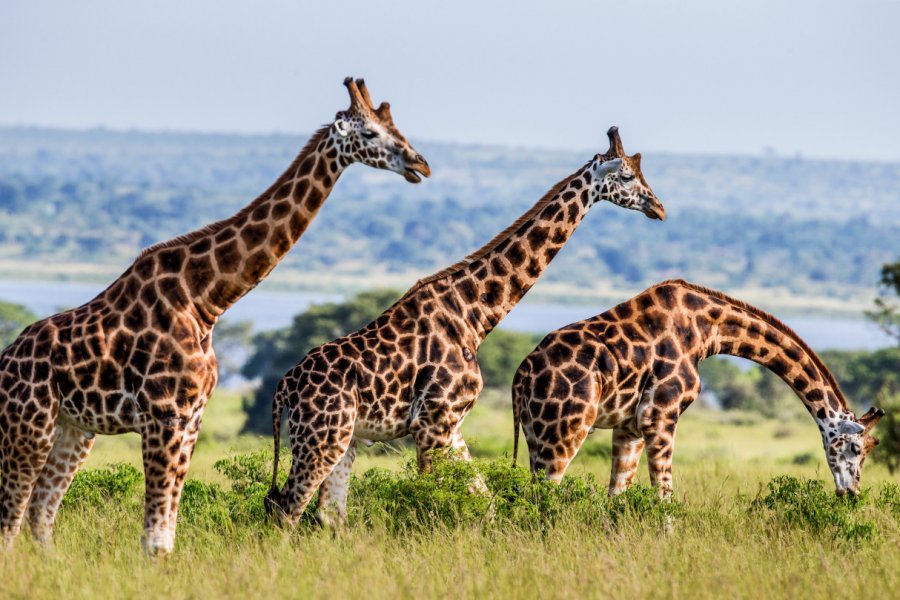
(413,371)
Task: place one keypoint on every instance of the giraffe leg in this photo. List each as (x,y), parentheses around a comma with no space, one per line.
(189,442)
(165,466)
(554,442)
(69,452)
(25,445)
(333,492)
(319,441)
(657,424)
(461,452)
(627,447)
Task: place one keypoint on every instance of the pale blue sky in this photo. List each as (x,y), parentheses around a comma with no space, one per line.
(700,76)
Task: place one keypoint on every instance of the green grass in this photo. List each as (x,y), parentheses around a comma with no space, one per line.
(749,520)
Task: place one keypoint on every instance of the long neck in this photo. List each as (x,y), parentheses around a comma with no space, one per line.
(737,329)
(225,260)
(490,282)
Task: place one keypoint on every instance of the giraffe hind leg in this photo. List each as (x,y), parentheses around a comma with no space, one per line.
(333,492)
(320,439)
(627,447)
(69,452)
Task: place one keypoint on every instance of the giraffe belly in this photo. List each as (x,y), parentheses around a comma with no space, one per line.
(111,413)
(379,432)
(616,411)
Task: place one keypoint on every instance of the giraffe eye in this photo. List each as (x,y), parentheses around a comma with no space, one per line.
(627,176)
(855,449)
(369,135)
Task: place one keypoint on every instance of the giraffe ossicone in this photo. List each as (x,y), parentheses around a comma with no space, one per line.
(413,371)
(633,369)
(139,356)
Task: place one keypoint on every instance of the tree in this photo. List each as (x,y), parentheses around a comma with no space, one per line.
(888,432)
(232,341)
(755,389)
(732,387)
(501,354)
(887,309)
(13,319)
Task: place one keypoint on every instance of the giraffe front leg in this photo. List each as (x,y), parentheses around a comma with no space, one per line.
(659,440)
(69,452)
(627,447)
(461,452)
(165,465)
(189,442)
(334,490)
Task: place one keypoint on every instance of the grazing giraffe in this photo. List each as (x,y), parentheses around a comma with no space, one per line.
(633,369)
(413,370)
(139,356)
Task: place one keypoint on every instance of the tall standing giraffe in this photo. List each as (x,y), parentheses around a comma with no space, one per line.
(139,357)
(633,369)
(413,370)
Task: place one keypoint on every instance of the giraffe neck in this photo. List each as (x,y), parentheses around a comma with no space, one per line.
(738,329)
(491,281)
(220,263)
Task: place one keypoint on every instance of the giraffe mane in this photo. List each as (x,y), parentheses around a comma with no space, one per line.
(212,228)
(496,240)
(771,320)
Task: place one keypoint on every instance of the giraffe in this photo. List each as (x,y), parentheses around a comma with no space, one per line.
(633,369)
(139,356)
(413,370)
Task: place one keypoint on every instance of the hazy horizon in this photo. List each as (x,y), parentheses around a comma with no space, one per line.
(700,77)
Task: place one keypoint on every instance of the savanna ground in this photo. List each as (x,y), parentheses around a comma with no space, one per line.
(751,519)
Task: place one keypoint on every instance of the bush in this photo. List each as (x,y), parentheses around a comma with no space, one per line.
(807,504)
(99,488)
(412,501)
(408,502)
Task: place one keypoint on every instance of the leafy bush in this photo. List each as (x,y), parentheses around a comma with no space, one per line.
(99,488)
(406,501)
(808,505)
(412,501)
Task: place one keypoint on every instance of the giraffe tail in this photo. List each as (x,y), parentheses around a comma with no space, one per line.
(277,408)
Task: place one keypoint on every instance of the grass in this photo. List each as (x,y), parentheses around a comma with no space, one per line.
(748,521)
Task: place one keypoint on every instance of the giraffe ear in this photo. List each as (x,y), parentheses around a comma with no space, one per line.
(609,166)
(342,127)
(851,427)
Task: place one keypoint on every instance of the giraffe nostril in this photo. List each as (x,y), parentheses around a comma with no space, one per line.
(419,158)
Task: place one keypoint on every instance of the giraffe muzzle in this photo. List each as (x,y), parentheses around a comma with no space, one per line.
(417,169)
(654,209)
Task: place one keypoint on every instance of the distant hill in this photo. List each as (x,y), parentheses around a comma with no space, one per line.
(798,234)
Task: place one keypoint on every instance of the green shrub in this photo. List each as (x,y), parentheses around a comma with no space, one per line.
(807,504)
(412,501)
(99,488)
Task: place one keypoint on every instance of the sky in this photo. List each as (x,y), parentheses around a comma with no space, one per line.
(816,78)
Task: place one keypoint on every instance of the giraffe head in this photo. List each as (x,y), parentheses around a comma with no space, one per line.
(618,178)
(366,134)
(847,443)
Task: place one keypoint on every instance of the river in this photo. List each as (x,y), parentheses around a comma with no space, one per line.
(275,309)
